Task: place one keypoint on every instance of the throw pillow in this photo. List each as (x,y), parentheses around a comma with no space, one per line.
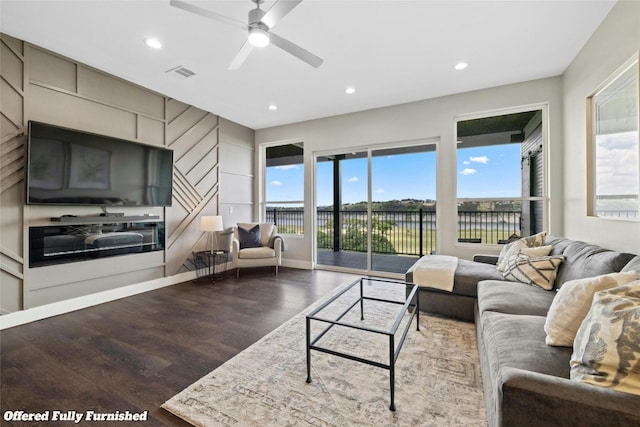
(538,271)
(249,238)
(511,249)
(572,302)
(606,351)
(520,249)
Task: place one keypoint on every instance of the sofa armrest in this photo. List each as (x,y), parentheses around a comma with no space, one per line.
(486,258)
(533,399)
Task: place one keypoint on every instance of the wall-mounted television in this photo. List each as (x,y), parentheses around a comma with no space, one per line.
(72,167)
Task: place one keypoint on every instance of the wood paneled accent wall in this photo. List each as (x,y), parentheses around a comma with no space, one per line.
(43,86)
(12,161)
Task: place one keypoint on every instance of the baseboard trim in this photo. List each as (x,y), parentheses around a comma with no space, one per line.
(292,263)
(54,309)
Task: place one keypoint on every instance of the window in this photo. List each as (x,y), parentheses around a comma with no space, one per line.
(284,187)
(614,147)
(500,177)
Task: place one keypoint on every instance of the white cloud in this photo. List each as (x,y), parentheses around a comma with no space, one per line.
(617,164)
(480,159)
(379,191)
(353,179)
(466,162)
(276,183)
(468,171)
(286,167)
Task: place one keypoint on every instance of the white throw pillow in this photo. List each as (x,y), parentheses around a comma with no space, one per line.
(572,302)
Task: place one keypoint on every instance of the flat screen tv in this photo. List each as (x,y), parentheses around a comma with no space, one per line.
(71,167)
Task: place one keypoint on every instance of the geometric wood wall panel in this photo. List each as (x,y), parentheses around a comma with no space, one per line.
(12,163)
(193,135)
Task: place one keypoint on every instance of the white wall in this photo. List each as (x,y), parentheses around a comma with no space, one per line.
(615,41)
(433,118)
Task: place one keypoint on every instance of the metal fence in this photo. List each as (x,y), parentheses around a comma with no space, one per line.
(396,232)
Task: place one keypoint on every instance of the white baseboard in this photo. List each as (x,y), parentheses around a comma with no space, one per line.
(303,265)
(54,309)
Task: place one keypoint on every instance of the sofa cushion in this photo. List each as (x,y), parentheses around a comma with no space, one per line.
(469,273)
(513,298)
(517,341)
(572,303)
(606,350)
(584,259)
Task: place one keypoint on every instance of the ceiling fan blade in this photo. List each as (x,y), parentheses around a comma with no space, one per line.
(278,11)
(207,13)
(245,50)
(295,50)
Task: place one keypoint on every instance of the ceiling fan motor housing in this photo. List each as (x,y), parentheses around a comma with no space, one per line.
(255,15)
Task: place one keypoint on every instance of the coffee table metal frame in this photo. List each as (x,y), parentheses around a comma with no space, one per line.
(394,352)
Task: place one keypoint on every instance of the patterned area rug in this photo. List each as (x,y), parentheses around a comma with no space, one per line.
(437,378)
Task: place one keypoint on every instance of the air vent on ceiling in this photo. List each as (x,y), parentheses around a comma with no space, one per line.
(181,72)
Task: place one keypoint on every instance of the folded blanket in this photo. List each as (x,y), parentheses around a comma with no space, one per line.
(435,271)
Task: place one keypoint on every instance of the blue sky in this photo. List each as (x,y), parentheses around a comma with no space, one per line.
(491,171)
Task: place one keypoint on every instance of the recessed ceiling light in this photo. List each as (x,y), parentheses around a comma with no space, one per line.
(461,66)
(350,90)
(154,43)
(273,107)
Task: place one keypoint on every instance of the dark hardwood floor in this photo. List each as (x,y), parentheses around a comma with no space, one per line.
(135,353)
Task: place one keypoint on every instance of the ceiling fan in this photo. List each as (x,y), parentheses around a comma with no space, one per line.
(259,29)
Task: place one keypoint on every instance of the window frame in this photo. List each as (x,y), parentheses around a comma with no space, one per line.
(262,192)
(544,198)
(592,173)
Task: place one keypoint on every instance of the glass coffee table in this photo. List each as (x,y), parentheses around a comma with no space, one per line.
(382,307)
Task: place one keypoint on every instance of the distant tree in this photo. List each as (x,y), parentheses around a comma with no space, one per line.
(355,236)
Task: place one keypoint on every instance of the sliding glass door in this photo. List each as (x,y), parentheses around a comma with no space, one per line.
(342,216)
(375,209)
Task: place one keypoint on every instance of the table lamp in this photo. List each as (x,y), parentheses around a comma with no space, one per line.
(212,224)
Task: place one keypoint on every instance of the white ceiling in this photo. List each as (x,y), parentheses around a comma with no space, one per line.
(392,52)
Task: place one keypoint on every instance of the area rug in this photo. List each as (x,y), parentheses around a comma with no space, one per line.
(437,381)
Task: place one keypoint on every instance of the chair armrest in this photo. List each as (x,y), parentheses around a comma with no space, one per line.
(486,258)
(235,247)
(277,242)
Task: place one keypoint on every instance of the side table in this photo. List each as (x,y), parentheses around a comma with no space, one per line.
(206,264)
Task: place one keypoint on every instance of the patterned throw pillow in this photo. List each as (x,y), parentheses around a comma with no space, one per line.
(606,351)
(572,303)
(249,238)
(511,249)
(538,271)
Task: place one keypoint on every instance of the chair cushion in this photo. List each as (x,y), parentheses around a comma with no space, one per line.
(249,238)
(257,253)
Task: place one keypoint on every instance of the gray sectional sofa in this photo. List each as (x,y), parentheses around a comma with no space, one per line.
(527,382)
